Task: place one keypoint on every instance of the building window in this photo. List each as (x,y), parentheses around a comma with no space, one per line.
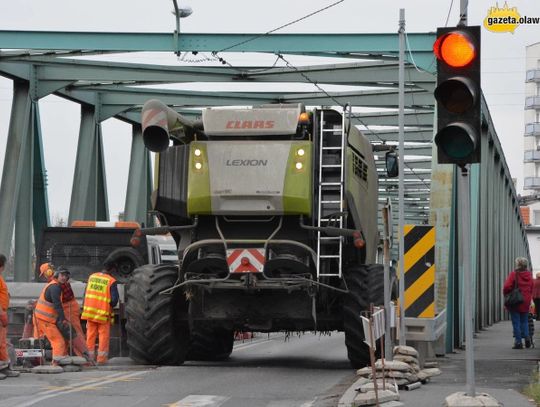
(536,217)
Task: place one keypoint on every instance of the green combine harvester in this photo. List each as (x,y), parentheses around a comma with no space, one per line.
(274,211)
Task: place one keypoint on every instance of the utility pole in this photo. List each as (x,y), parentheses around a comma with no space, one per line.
(401,198)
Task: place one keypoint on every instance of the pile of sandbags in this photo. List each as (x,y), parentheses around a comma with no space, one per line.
(403,371)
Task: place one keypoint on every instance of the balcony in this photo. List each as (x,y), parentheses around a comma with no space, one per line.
(532,129)
(533,75)
(531,183)
(532,102)
(531,156)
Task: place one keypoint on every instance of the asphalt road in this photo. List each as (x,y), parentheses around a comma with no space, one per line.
(297,371)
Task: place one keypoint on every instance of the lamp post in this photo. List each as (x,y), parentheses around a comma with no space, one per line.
(179,12)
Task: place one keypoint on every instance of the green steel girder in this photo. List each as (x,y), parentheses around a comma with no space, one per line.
(424,164)
(18,135)
(116,100)
(139,185)
(89,192)
(408,175)
(411,119)
(331,44)
(40,209)
(411,135)
(393,182)
(380,73)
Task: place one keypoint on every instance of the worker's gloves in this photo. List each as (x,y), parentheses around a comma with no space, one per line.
(4,319)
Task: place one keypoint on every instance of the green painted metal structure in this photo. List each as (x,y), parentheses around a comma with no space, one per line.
(44,63)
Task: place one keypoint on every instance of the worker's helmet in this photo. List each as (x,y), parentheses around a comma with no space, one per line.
(61,270)
(46,270)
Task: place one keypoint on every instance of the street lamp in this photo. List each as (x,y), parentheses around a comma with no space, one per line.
(179,13)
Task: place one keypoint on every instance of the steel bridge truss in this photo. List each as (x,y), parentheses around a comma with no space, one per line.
(65,64)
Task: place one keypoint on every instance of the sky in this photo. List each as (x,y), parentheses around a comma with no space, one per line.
(503,62)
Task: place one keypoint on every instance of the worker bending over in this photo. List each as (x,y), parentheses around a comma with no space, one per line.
(100,297)
(50,317)
(72,313)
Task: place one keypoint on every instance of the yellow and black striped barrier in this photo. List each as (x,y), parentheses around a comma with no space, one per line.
(419,267)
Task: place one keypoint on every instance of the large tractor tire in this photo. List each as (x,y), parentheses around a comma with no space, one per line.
(355,300)
(375,284)
(157,325)
(366,286)
(210,344)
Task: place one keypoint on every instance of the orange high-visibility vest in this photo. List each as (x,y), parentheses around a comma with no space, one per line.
(97,299)
(44,309)
(4,295)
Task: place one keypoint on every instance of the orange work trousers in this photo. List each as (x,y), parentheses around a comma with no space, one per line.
(4,357)
(72,313)
(54,336)
(101,332)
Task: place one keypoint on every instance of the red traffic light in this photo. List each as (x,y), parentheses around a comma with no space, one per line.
(456,49)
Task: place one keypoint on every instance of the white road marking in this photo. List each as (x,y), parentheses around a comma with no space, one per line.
(255,342)
(290,403)
(200,401)
(80,387)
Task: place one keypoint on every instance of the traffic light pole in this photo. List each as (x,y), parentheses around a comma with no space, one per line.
(465,239)
(463,12)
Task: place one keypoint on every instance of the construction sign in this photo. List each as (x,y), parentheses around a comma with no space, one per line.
(419,268)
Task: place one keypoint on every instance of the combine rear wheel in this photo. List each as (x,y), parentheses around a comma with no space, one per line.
(157,327)
(210,344)
(355,301)
(366,286)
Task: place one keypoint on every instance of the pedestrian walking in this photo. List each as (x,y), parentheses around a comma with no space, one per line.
(100,297)
(50,317)
(536,295)
(75,339)
(521,277)
(5,362)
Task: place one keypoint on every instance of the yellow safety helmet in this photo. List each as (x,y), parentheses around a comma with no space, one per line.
(46,270)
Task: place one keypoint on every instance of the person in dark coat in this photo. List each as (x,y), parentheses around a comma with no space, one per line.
(536,296)
(519,314)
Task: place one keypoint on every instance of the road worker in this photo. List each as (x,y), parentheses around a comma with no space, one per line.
(50,317)
(101,296)
(5,363)
(72,313)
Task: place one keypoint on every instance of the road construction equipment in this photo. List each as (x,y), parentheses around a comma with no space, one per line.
(83,247)
(274,210)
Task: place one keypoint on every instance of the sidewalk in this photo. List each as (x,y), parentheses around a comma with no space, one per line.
(500,371)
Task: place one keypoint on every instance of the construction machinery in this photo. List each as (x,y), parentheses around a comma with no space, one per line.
(83,247)
(274,211)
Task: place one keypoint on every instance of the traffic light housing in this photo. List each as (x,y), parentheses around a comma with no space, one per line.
(458,95)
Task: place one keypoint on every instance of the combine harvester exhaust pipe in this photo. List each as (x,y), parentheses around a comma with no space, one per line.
(159,122)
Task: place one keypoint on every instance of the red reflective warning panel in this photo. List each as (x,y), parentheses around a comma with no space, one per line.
(245,260)
(455,49)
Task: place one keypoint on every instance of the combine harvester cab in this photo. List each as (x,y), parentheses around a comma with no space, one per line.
(274,210)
